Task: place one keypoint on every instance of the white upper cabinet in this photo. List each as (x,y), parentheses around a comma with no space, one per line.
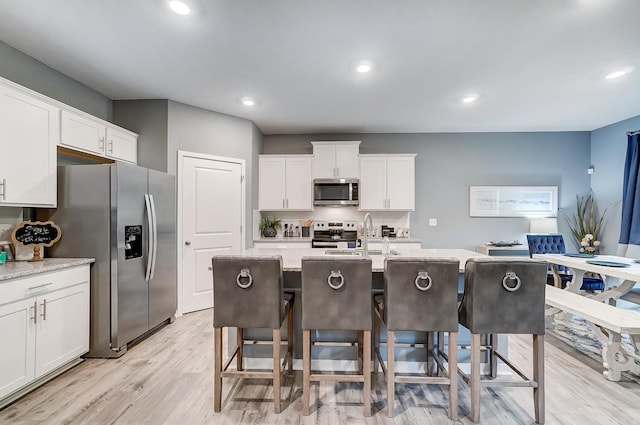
(29,130)
(336,160)
(285,183)
(387,182)
(89,134)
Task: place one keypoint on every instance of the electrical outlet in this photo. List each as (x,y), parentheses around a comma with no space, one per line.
(433,222)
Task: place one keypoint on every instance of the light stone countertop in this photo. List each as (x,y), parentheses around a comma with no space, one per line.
(292,257)
(14,269)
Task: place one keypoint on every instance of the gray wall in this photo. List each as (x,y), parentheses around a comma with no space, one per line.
(199,130)
(608,151)
(148,118)
(447,164)
(28,72)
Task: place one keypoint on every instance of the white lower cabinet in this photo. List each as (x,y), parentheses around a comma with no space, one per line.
(44,324)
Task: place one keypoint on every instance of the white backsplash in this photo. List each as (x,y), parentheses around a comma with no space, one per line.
(396,219)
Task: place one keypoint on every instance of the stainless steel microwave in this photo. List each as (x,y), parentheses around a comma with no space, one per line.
(335,192)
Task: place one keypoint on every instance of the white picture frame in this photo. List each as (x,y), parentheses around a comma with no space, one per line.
(513,201)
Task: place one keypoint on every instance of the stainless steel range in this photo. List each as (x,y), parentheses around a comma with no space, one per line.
(327,234)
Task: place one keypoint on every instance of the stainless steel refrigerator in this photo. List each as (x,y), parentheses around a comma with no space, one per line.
(125,217)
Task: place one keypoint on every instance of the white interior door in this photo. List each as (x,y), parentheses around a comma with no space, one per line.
(212,193)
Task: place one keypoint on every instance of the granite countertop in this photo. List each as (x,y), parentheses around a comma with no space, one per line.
(292,257)
(14,269)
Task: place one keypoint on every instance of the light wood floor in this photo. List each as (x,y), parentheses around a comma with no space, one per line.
(167,379)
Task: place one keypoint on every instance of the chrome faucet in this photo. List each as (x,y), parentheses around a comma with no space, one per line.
(367,229)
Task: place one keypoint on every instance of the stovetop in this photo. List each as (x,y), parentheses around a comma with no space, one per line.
(346,230)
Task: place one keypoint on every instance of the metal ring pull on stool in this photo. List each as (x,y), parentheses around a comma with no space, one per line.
(511,276)
(423,276)
(337,274)
(244,273)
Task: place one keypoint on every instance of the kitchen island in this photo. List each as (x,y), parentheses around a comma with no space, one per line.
(325,357)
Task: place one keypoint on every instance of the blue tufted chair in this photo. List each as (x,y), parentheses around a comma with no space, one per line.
(554,244)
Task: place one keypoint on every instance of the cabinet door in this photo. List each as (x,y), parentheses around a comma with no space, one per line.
(29,130)
(401,183)
(324,161)
(17,334)
(299,184)
(271,184)
(373,183)
(122,146)
(62,327)
(80,132)
(347,161)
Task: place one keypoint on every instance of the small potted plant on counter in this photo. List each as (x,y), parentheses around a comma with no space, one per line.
(269,226)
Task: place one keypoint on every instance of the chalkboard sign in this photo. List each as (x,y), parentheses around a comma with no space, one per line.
(36,234)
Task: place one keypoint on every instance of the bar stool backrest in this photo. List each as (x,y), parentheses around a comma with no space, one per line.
(248,291)
(421,294)
(336,293)
(504,296)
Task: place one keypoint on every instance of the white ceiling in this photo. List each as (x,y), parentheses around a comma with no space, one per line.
(537,65)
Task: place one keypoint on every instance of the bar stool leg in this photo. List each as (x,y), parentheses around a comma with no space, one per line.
(391,375)
(430,360)
(290,338)
(276,370)
(217,369)
(453,374)
(538,376)
(360,350)
(240,342)
(306,370)
(376,341)
(366,370)
(493,359)
(475,377)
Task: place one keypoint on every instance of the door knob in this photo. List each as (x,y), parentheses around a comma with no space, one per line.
(187,243)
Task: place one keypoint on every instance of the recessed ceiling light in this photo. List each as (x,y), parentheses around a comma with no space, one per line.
(616,74)
(470,99)
(247,101)
(363,68)
(179,7)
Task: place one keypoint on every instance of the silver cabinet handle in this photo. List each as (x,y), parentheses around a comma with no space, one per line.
(187,243)
(111,146)
(44,310)
(39,286)
(101,144)
(35,312)
(4,189)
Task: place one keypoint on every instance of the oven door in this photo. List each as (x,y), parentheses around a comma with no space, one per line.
(316,243)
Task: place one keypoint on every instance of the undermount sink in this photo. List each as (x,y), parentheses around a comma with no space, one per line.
(357,252)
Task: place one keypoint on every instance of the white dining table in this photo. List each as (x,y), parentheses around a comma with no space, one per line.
(618,280)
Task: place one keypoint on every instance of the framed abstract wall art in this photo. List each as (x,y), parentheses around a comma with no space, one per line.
(513,201)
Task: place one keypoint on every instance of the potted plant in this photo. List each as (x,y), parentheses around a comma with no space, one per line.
(585,224)
(269,226)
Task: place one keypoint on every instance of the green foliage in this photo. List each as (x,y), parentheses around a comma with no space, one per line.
(585,220)
(265,222)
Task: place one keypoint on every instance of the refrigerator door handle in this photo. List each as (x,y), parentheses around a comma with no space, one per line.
(147,202)
(154,229)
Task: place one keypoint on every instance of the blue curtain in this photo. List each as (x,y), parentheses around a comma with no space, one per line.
(630,229)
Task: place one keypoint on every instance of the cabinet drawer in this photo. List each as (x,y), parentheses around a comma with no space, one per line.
(35,285)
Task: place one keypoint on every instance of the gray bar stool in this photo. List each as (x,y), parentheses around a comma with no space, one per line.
(336,295)
(504,297)
(248,293)
(420,294)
